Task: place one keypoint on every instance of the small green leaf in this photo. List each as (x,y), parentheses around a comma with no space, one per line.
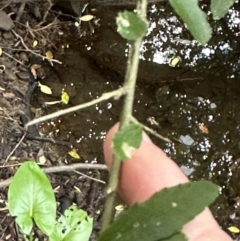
(65,98)
(195,19)
(176,237)
(163,215)
(126,141)
(30,196)
(74,225)
(220,7)
(131,26)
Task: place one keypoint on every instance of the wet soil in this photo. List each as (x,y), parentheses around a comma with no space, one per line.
(194,104)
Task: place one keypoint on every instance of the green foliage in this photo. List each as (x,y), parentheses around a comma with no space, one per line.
(30,196)
(131,26)
(176,237)
(163,215)
(220,7)
(194,18)
(126,141)
(74,225)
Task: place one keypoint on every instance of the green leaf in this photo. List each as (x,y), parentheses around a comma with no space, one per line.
(131,26)
(30,196)
(74,225)
(176,237)
(194,17)
(126,141)
(163,215)
(220,7)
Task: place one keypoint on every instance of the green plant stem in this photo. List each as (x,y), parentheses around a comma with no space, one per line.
(129,88)
(31,236)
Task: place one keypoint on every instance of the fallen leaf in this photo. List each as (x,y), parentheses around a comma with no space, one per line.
(174,62)
(234,229)
(34,67)
(203,128)
(86,18)
(42,160)
(49,54)
(65,98)
(77,189)
(35,43)
(8,95)
(74,154)
(45,89)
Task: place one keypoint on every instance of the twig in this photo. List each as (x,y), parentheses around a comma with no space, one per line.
(31,51)
(116,93)
(12,165)
(91,178)
(46,13)
(146,128)
(11,57)
(42,28)
(73,167)
(69,168)
(14,149)
(129,86)
(5,183)
(4,6)
(20,11)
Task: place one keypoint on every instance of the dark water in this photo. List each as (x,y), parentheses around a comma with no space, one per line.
(196,103)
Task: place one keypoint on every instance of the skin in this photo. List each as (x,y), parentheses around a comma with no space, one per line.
(150,170)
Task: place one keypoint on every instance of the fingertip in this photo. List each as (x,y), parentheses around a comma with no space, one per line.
(107,145)
(148,171)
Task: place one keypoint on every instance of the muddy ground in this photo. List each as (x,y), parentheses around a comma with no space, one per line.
(19,29)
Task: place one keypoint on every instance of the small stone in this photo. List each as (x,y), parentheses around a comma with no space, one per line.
(6,22)
(7,35)
(23,56)
(23,75)
(9,75)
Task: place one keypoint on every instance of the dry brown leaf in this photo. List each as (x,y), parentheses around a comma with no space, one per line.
(203,128)
(34,67)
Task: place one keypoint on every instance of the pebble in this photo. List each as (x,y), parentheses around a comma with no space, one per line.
(7,35)
(9,75)
(23,56)
(6,22)
(23,75)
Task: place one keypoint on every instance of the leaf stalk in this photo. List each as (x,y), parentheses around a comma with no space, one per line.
(126,115)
